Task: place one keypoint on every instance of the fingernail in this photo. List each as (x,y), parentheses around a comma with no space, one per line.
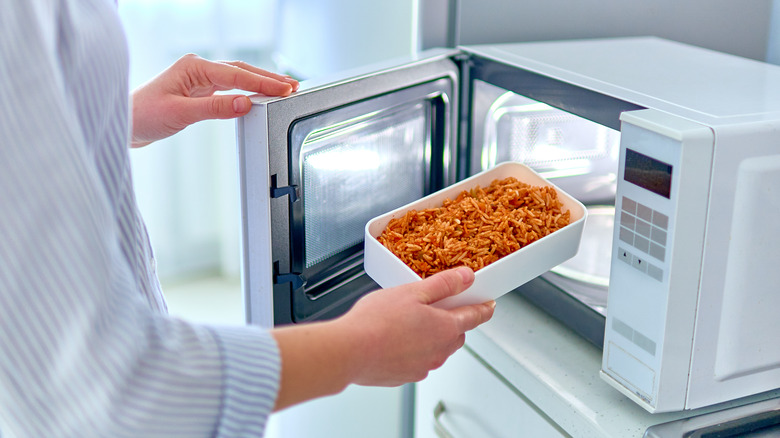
(492,304)
(466,274)
(241,104)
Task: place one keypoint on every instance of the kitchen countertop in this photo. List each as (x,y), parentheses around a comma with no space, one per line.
(558,371)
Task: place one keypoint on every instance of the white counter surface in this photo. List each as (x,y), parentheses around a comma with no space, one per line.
(558,371)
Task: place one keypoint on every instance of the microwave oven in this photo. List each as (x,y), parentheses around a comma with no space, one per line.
(676,146)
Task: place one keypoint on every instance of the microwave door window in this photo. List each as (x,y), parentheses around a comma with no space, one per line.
(351,169)
(353,175)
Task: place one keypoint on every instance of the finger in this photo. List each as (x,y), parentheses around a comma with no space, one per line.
(228,76)
(470,317)
(261,72)
(445,284)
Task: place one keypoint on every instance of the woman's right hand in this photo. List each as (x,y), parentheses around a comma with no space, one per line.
(404,337)
(390,337)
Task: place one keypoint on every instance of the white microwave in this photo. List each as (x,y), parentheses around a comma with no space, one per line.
(682,143)
(694,283)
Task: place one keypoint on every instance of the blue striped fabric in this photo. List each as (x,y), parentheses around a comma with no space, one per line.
(86,348)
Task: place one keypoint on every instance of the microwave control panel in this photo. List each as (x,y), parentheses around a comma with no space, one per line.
(643,235)
(654,274)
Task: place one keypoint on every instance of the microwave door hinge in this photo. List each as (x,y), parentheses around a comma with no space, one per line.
(296,280)
(278,192)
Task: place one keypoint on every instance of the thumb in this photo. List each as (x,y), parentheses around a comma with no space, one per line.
(241,105)
(445,284)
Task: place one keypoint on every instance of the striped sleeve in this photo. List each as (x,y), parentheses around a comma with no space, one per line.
(86,349)
(247,385)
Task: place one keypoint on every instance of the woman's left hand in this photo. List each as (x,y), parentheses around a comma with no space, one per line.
(185,93)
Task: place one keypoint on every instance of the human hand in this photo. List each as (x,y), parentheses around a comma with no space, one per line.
(390,337)
(184,93)
(404,337)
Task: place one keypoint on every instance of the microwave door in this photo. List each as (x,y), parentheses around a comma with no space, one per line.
(316,166)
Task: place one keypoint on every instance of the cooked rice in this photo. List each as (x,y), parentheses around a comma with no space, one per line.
(477,228)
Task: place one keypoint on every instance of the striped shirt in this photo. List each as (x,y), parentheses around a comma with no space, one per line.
(86,347)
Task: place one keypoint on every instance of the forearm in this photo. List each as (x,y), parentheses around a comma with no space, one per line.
(317,359)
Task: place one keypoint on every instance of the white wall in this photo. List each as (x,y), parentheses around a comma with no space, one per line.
(739,27)
(319,37)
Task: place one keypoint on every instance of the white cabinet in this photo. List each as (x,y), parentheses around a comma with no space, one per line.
(476,402)
(357,412)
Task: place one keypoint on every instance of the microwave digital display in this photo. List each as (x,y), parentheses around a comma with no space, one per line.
(648,173)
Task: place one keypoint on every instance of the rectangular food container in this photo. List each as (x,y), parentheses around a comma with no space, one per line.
(498,278)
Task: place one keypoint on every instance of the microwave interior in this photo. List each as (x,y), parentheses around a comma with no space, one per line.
(579,156)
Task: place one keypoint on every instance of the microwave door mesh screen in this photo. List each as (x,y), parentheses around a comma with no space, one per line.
(578,155)
(552,141)
(359,172)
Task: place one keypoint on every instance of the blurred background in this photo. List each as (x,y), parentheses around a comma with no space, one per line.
(186,184)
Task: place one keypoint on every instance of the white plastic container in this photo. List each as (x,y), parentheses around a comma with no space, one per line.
(499,277)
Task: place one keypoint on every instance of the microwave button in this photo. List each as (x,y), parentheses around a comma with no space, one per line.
(661,220)
(655,272)
(657,251)
(626,236)
(639,264)
(627,220)
(644,212)
(642,244)
(643,228)
(624,255)
(629,205)
(658,235)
